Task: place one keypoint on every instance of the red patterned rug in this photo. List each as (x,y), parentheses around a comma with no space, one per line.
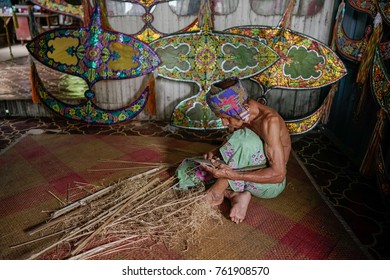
(36,173)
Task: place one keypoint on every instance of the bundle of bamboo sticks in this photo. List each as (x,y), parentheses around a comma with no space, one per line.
(145,207)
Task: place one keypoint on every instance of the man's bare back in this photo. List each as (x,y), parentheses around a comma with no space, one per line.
(260,124)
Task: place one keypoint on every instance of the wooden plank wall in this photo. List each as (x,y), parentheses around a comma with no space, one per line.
(290,103)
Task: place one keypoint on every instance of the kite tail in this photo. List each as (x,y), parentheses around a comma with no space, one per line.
(205,20)
(373,146)
(150,106)
(375,38)
(34,82)
(285,22)
(88,10)
(366,63)
(339,16)
(328,103)
(104,17)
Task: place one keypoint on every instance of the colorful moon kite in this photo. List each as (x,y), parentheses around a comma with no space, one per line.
(204,58)
(355,50)
(93,54)
(304,63)
(382,175)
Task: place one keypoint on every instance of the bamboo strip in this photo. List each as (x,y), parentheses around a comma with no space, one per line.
(100,193)
(37,239)
(43,226)
(116,169)
(51,222)
(134,162)
(163,206)
(56,197)
(36,255)
(95,250)
(119,248)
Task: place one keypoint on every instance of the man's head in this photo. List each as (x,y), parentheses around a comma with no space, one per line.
(228,99)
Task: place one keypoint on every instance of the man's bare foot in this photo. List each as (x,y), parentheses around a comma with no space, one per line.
(239,202)
(214,198)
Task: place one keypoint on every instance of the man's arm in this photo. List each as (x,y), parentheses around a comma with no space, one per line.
(276,170)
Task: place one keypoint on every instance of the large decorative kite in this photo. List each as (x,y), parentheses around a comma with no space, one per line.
(93,54)
(304,63)
(355,49)
(369,52)
(206,57)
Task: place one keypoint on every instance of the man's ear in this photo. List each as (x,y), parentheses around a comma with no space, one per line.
(246,107)
(262,100)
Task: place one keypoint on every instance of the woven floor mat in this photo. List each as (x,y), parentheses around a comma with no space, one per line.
(36,173)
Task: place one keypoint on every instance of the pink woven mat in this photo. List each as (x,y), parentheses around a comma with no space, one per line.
(296,225)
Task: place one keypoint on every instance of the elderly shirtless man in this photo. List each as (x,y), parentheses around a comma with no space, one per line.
(255,155)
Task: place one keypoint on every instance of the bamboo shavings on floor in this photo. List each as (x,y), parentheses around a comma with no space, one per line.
(124,215)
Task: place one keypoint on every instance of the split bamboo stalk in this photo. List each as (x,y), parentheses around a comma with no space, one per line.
(47,224)
(100,193)
(117,169)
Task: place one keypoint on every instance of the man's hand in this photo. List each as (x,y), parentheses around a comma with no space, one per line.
(213,154)
(209,155)
(220,170)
